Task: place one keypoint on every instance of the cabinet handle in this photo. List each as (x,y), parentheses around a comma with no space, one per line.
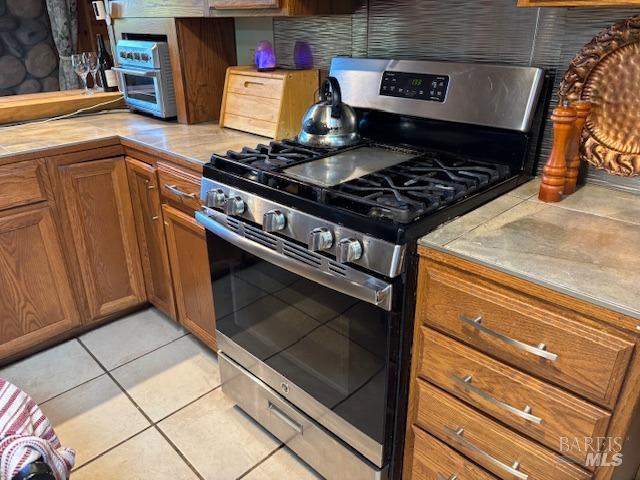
(285,418)
(465,384)
(149,203)
(540,350)
(248,83)
(176,191)
(451,477)
(458,434)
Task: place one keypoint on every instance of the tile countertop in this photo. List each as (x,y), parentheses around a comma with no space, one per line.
(193,143)
(585,246)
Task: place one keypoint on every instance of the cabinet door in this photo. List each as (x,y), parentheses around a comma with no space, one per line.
(147,211)
(238,4)
(36,301)
(100,215)
(191,277)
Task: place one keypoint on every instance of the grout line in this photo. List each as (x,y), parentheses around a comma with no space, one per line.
(188,404)
(144,414)
(102,454)
(180,454)
(186,334)
(476,227)
(72,388)
(535,38)
(280,447)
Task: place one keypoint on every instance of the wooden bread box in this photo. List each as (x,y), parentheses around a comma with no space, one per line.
(270,104)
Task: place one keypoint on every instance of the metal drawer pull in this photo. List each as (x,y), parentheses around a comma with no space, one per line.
(176,191)
(512,470)
(540,350)
(442,477)
(285,418)
(465,384)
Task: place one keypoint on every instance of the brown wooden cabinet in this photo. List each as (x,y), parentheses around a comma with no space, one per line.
(99,212)
(190,270)
(518,379)
(239,8)
(36,300)
(147,212)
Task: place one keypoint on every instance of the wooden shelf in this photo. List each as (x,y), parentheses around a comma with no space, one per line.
(577,3)
(20,108)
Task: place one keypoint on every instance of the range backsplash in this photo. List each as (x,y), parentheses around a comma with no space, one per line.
(457,30)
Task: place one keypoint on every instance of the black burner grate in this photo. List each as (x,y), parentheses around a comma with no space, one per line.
(274,156)
(416,187)
(400,193)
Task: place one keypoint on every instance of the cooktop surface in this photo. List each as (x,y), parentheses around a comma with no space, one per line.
(372,179)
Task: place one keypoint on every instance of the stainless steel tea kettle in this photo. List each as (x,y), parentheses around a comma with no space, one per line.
(329,123)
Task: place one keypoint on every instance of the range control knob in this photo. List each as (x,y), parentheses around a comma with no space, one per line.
(234,206)
(273,221)
(320,239)
(348,250)
(216,198)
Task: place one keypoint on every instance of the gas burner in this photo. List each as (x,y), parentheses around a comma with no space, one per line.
(406,191)
(273,157)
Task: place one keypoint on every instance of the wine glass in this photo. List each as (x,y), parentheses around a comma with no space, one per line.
(81,67)
(92,63)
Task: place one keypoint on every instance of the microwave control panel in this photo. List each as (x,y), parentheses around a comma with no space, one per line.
(417,86)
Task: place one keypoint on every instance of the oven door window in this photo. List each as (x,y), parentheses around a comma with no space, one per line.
(330,345)
(141,88)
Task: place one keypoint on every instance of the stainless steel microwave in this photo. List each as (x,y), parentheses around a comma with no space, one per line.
(145,75)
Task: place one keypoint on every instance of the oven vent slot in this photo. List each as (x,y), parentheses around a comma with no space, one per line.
(262,239)
(301,255)
(286,248)
(233,225)
(338,269)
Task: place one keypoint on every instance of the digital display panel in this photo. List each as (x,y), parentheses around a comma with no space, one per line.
(415,85)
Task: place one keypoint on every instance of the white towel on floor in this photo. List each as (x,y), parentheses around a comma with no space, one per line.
(26,435)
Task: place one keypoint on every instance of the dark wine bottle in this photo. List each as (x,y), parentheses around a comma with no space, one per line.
(107,79)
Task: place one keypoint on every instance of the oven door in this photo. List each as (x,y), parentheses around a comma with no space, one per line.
(143,89)
(317,332)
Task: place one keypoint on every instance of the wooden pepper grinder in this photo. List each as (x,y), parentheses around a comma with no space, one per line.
(582,108)
(555,170)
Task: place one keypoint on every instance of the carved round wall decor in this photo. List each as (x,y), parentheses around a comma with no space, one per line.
(606,73)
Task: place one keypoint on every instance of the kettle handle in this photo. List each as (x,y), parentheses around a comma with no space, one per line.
(331,87)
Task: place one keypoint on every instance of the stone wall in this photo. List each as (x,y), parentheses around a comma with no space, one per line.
(28,57)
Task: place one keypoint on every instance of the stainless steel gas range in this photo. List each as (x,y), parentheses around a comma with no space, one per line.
(312,251)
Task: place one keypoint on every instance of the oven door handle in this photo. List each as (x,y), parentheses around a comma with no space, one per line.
(369,289)
(138,72)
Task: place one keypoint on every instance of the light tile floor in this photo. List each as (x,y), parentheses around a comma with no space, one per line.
(140,399)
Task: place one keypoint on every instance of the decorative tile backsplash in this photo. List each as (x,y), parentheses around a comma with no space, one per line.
(28,57)
(457,30)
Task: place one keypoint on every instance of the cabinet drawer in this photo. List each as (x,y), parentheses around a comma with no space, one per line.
(505,394)
(433,460)
(179,187)
(487,443)
(259,108)
(21,184)
(256,86)
(559,345)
